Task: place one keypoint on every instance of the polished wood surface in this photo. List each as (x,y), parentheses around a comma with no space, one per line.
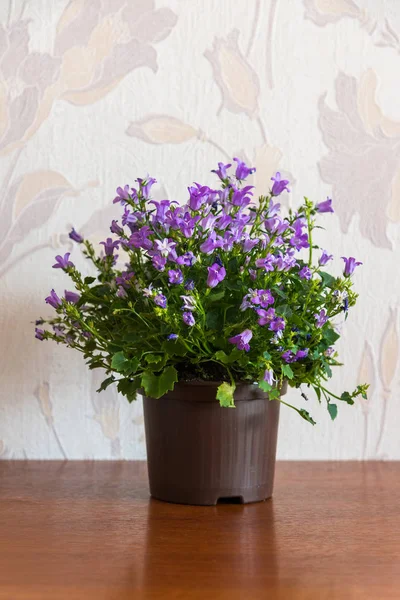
(88,530)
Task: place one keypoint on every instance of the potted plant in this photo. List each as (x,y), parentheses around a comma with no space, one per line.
(209,310)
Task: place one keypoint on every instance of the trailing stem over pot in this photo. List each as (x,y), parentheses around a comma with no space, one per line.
(221,288)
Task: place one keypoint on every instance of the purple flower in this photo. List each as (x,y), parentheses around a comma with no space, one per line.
(187,259)
(279,185)
(285,262)
(278,324)
(324,207)
(253,274)
(242,170)
(189,285)
(346,304)
(63,262)
(39,334)
(139,239)
(266,316)
(165,246)
(124,279)
(215,275)
(242,340)
(321,318)
(301,354)
(248,244)
(224,221)
(188,319)
(246,303)
(175,276)
(53,300)
(172,336)
(241,198)
(187,223)
(131,219)
(276,225)
(288,356)
(300,238)
(329,351)
(269,376)
(266,263)
(71,297)
(189,303)
(198,196)
(324,258)
(121,292)
(159,262)
(263,298)
(273,209)
(213,241)
(349,265)
(110,246)
(122,195)
(305,273)
(161,210)
(58,330)
(115,228)
(208,221)
(160,300)
(146,185)
(221,171)
(148,292)
(75,236)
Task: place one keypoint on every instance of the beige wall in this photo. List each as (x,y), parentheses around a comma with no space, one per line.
(95,93)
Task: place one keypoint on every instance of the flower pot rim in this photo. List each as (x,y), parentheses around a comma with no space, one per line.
(243,391)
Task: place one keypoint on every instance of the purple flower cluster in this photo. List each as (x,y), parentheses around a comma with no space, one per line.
(289,357)
(258,257)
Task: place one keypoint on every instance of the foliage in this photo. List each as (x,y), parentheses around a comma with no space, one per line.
(220,289)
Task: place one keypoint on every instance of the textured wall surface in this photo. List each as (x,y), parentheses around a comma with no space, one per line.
(94,93)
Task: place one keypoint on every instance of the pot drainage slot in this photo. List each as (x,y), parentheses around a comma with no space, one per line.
(230,500)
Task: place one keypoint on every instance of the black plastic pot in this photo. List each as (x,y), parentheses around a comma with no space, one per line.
(200,453)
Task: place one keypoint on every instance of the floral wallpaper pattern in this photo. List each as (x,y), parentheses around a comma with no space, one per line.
(94,93)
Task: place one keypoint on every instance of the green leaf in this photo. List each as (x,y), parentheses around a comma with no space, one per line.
(233,285)
(346,397)
(226,359)
(327,368)
(174,348)
(216,297)
(106,383)
(213,319)
(129,388)
(327,279)
(331,336)
(89,280)
(267,355)
(277,292)
(225,395)
(118,362)
(124,365)
(332,410)
(303,413)
(318,392)
(274,394)
(156,386)
(287,371)
(154,358)
(264,386)
(284,310)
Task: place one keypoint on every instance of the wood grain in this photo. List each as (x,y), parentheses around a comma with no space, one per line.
(85,530)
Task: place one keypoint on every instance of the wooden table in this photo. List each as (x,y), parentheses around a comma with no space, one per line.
(88,530)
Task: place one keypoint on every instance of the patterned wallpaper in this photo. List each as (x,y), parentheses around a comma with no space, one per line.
(94,93)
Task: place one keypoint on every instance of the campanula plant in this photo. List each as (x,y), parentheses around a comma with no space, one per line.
(222,288)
